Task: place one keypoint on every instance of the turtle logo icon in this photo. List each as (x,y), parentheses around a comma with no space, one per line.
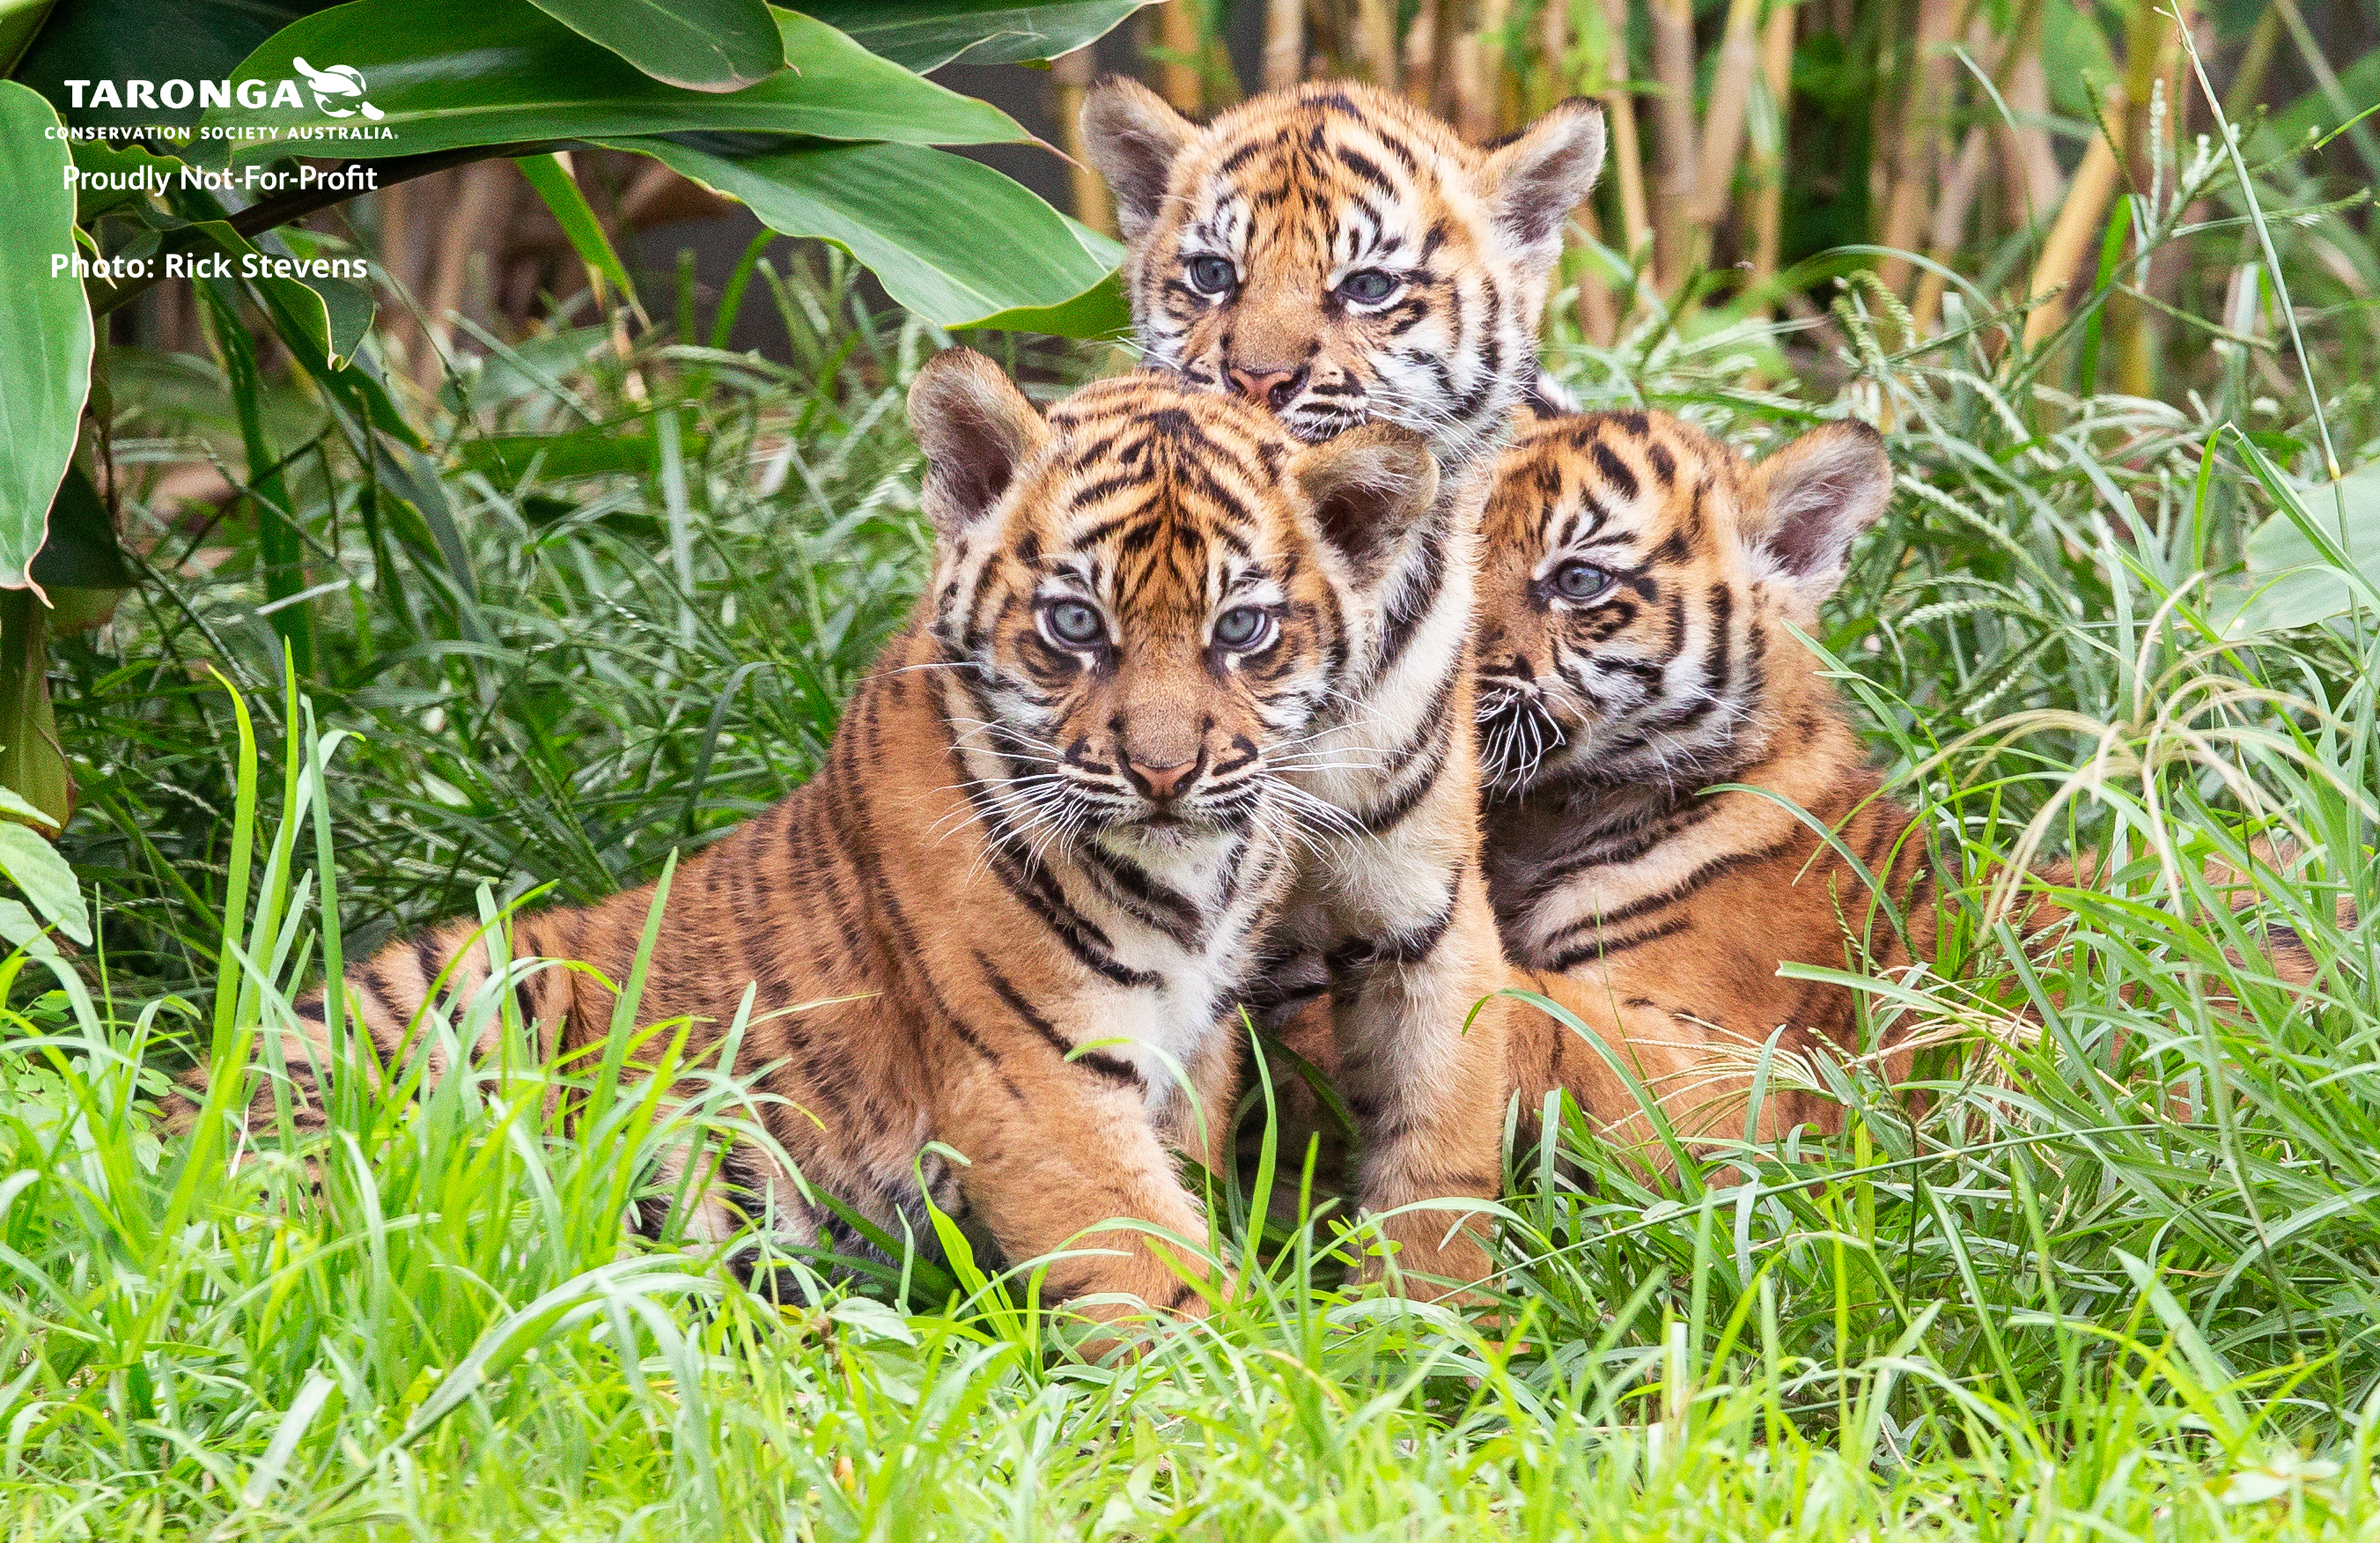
(337,83)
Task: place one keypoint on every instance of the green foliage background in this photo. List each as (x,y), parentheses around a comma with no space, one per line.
(2106,1268)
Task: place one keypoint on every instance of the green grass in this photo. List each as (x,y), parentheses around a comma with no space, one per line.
(2110,1268)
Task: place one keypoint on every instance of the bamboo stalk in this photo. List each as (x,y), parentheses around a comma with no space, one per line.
(1598,320)
(2030,183)
(1374,31)
(1730,100)
(1768,166)
(1470,106)
(1916,161)
(479,207)
(1495,100)
(1674,112)
(2076,232)
(401,248)
(1285,48)
(1553,54)
(1071,75)
(1429,57)
(1620,117)
(1959,191)
(2149,40)
(1181,47)
(1418,58)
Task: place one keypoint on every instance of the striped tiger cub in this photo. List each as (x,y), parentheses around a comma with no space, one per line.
(1014,910)
(1633,648)
(1343,258)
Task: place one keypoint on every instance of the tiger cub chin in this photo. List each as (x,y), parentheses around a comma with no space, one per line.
(1018,903)
(1345,259)
(1639,584)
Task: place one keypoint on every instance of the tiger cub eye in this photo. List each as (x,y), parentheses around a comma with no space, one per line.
(1075,624)
(1242,626)
(1577,580)
(1211,276)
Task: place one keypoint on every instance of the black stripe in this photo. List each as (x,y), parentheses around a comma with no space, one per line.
(1380,819)
(1150,899)
(1365,167)
(1081,936)
(1091,492)
(1410,947)
(1605,947)
(1429,731)
(1098,1061)
(1715,869)
(1615,470)
(1615,850)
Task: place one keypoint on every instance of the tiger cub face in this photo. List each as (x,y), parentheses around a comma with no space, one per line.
(1340,256)
(1148,594)
(1637,578)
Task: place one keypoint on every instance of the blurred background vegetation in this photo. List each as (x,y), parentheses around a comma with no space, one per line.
(616,603)
(596,586)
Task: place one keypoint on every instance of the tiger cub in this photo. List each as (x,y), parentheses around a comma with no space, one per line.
(1343,258)
(1634,650)
(1639,583)
(1018,903)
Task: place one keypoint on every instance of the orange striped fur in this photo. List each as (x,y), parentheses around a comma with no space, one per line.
(1635,650)
(1634,645)
(1055,823)
(1345,259)
(1343,255)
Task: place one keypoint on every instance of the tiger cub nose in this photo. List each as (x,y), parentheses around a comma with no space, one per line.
(1166,781)
(1268,386)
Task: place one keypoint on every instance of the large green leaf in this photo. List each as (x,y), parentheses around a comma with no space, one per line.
(952,240)
(703,45)
(82,551)
(44,328)
(2293,581)
(19,19)
(135,173)
(37,868)
(441,74)
(148,40)
(927,34)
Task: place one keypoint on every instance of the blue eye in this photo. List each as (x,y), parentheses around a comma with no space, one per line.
(1368,285)
(1212,275)
(1075,624)
(1576,580)
(1242,627)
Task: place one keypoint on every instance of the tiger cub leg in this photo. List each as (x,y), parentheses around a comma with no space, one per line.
(1198,1120)
(1081,1148)
(1698,1080)
(1426,1087)
(386,1000)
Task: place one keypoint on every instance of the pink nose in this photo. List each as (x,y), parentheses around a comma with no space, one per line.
(1267,385)
(1164,782)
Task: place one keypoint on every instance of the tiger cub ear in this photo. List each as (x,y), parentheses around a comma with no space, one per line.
(1534,179)
(1131,135)
(1368,487)
(1808,500)
(977,430)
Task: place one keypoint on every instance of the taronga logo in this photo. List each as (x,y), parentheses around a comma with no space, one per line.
(338,92)
(338,82)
